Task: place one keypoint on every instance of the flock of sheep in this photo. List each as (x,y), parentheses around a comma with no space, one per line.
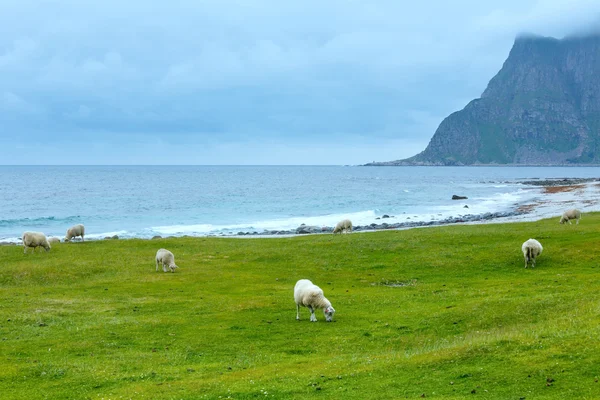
(38,239)
(306,294)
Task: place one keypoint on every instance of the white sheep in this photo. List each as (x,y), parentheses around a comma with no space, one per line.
(309,295)
(531,249)
(167,259)
(53,240)
(74,231)
(343,226)
(34,240)
(569,215)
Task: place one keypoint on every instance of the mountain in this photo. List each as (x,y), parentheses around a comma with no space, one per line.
(542,108)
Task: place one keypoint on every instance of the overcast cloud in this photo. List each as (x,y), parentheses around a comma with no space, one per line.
(250,82)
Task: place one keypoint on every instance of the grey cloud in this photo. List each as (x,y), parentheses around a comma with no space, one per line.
(114,73)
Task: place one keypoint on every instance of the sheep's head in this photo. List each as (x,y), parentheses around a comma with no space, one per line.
(172,267)
(328,312)
(562,220)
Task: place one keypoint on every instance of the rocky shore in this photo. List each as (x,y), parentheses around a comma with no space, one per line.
(306,229)
(559,181)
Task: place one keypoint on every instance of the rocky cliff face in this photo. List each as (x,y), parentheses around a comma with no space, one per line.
(542,108)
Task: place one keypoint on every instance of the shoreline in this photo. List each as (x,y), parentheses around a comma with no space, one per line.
(554,197)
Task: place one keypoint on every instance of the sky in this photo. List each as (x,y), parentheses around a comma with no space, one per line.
(266,82)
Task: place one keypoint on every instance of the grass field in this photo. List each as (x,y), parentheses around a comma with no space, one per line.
(446,312)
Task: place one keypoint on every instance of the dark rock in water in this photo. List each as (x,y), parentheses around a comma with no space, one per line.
(241,233)
(115,237)
(7,244)
(385,216)
(455,197)
(157,237)
(466,206)
(107,238)
(377,218)
(373,225)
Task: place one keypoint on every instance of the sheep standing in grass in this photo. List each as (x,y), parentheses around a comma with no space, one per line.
(53,240)
(167,259)
(531,249)
(34,240)
(74,231)
(343,226)
(569,215)
(308,295)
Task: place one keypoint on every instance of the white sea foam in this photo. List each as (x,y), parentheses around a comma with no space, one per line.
(96,236)
(282,224)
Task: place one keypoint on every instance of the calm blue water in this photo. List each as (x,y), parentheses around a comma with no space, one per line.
(143,201)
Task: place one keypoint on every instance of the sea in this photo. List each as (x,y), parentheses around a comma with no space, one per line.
(147,201)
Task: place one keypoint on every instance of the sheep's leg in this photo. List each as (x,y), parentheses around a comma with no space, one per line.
(297,312)
(577,223)
(156,264)
(24,249)
(82,238)
(313,318)
(164,267)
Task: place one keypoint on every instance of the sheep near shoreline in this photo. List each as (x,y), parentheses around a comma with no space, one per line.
(74,231)
(35,240)
(569,215)
(309,295)
(531,249)
(344,226)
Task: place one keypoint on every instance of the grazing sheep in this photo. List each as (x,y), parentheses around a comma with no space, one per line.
(531,249)
(53,240)
(308,295)
(35,239)
(74,231)
(569,215)
(343,226)
(167,259)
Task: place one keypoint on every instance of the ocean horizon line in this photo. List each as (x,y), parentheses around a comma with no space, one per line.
(314,165)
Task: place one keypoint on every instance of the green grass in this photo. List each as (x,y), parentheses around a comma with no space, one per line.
(448,312)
